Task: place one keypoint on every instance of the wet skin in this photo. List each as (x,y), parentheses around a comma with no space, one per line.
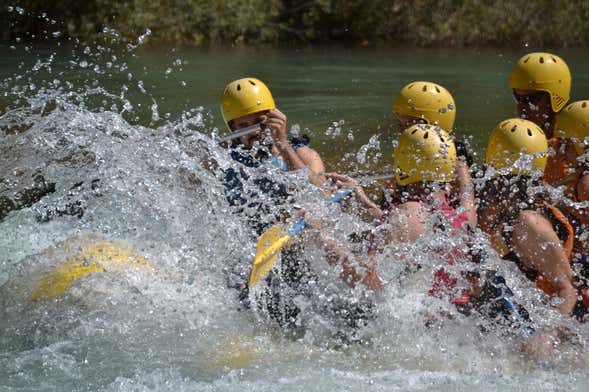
(535,106)
(405,122)
(274,137)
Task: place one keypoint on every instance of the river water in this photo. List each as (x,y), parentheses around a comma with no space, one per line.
(107,143)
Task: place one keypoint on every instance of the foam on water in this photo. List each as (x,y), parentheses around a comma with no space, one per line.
(180,327)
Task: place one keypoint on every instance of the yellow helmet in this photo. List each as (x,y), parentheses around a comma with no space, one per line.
(245,96)
(573,123)
(513,138)
(543,72)
(424,153)
(429,101)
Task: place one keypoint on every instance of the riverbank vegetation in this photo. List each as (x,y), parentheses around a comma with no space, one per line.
(415,22)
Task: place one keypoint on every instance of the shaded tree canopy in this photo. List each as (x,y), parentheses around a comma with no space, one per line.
(416,22)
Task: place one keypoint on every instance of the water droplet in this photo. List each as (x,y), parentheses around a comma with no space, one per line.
(83,64)
(56,34)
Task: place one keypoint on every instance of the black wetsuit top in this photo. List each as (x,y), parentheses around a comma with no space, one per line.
(281,292)
(262,197)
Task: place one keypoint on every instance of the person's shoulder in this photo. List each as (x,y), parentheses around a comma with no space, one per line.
(413,206)
(308,154)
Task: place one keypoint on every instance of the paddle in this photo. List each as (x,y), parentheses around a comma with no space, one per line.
(240,132)
(272,241)
(365,177)
(94,257)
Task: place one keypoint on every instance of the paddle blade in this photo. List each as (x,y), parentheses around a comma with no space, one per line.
(95,258)
(267,238)
(268,249)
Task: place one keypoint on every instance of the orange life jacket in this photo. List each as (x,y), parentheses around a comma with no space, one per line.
(444,283)
(562,168)
(567,242)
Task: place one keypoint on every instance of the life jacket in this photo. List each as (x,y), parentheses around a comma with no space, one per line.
(257,198)
(501,238)
(566,235)
(443,280)
(563,168)
(265,195)
(444,283)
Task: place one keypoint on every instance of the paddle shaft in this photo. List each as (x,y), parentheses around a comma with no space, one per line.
(240,132)
(369,177)
(300,225)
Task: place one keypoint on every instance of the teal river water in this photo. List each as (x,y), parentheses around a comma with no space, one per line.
(317,86)
(110,144)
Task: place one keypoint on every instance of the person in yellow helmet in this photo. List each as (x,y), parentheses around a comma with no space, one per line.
(257,194)
(572,127)
(523,226)
(424,102)
(248,101)
(541,84)
(424,167)
(425,162)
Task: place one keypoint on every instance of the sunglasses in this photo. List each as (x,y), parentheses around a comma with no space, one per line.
(533,99)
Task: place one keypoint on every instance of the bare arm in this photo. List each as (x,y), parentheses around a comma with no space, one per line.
(313,161)
(352,266)
(276,121)
(371,210)
(407,222)
(466,192)
(294,159)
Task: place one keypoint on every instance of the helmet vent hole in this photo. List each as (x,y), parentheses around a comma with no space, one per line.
(410,87)
(553,59)
(425,136)
(413,133)
(424,89)
(514,128)
(584,105)
(442,140)
(529,132)
(251,82)
(239,87)
(526,60)
(437,89)
(541,60)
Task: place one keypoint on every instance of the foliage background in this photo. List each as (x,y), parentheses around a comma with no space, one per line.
(416,22)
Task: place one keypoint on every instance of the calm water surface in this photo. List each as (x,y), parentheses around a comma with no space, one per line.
(317,86)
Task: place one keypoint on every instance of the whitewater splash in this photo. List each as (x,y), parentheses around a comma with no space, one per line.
(78,167)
